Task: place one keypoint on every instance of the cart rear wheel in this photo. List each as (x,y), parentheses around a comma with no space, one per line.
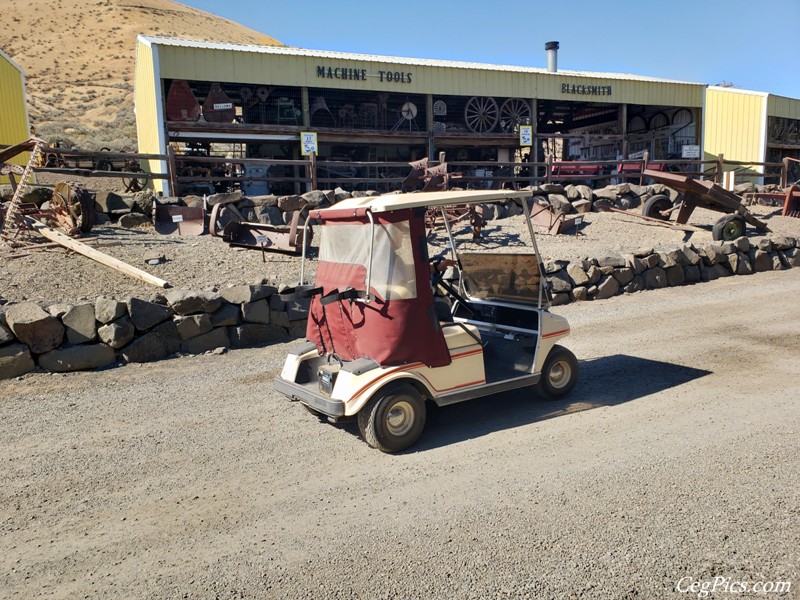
(656,205)
(728,228)
(559,373)
(393,419)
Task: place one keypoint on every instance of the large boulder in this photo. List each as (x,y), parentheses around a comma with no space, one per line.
(80,324)
(607,287)
(560,282)
(15,360)
(577,274)
(35,328)
(227,314)
(211,340)
(654,278)
(242,294)
(5,333)
(108,309)
(118,333)
(193,325)
(147,348)
(112,203)
(188,302)
(146,315)
(77,358)
(256,312)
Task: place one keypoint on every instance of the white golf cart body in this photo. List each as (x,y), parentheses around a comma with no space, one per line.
(496,329)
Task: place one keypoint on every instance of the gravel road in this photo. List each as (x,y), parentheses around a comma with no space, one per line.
(675,457)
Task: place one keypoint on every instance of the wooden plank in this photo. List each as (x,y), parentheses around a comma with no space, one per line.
(94,254)
(653,220)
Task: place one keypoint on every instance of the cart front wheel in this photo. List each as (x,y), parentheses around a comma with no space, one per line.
(393,419)
(728,228)
(559,373)
(655,206)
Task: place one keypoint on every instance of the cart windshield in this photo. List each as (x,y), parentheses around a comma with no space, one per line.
(392,268)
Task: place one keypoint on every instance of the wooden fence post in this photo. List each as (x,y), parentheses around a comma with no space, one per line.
(172,171)
(785,172)
(645,158)
(718,176)
(311,168)
(548,168)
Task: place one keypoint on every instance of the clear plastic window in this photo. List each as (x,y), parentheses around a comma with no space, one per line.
(392,275)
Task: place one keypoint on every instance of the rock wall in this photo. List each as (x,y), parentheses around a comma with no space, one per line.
(74,337)
(645,269)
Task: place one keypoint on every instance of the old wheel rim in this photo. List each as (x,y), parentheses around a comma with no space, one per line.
(732,230)
(560,374)
(400,418)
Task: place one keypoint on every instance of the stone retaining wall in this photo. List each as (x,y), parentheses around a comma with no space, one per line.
(74,337)
(646,269)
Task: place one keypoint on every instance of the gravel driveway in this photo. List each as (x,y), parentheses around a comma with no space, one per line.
(675,457)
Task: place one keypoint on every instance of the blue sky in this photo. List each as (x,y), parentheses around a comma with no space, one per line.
(752,44)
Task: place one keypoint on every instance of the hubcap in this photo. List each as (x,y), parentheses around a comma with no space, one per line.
(400,418)
(560,374)
(731,231)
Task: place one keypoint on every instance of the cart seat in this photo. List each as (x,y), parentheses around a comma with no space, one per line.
(460,335)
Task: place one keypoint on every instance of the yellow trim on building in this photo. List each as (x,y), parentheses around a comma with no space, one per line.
(14,123)
(734,124)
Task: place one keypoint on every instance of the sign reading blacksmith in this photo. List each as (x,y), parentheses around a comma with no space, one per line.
(586,90)
(350,74)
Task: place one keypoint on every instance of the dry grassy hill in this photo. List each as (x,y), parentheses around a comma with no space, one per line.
(78,56)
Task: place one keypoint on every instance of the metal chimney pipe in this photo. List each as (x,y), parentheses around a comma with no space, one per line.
(552,56)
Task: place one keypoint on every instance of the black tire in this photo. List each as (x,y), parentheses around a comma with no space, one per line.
(728,228)
(559,373)
(654,205)
(393,419)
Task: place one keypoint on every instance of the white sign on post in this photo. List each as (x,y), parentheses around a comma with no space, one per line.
(690,151)
(526,135)
(308,142)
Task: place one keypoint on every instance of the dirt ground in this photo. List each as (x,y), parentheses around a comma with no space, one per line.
(204,262)
(673,461)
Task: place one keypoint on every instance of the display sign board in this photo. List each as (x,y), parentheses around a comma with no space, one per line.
(526,135)
(690,151)
(308,142)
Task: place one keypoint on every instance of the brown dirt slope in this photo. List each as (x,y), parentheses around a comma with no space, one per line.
(78,56)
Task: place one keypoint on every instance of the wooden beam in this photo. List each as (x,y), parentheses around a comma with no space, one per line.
(95,254)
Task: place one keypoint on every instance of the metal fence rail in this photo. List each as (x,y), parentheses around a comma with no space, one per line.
(185,171)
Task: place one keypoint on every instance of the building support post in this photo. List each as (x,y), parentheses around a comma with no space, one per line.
(623,128)
(306,107)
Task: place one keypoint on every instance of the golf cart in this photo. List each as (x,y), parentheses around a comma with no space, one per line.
(387,332)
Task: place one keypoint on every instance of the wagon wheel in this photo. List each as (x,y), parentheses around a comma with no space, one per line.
(481,114)
(514,112)
(103,164)
(728,228)
(656,206)
(133,183)
(72,207)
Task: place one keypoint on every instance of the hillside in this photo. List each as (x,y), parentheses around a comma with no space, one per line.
(79,59)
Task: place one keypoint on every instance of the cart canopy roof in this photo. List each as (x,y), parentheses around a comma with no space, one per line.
(397,201)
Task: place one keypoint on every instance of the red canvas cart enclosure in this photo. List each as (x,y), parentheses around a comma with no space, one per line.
(398,324)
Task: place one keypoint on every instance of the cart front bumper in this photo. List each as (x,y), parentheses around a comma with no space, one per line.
(310,397)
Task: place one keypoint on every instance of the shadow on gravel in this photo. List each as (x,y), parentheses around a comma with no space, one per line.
(606,381)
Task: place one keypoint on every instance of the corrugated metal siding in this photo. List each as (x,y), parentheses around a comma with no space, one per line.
(14,124)
(146,106)
(209,64)
(733,124)
(781,106)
